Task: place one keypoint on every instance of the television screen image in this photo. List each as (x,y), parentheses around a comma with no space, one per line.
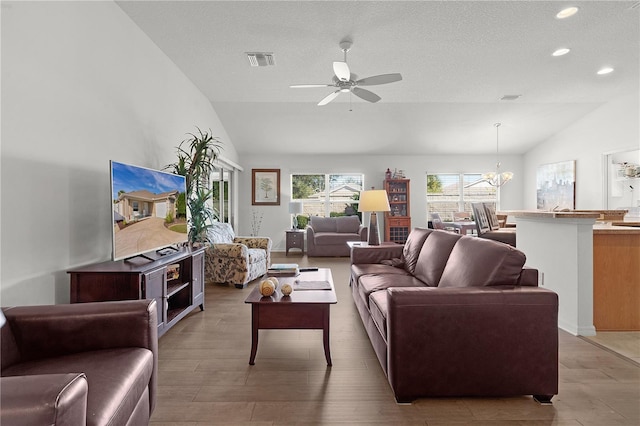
(148,210)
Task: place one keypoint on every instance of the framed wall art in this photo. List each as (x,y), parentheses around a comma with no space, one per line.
(265,187)
(556,186)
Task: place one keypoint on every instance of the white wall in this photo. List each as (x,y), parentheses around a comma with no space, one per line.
(612,127)
(277,219)
(81,84)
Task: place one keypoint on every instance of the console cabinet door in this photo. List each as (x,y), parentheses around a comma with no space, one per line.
(197,279)
(154,286)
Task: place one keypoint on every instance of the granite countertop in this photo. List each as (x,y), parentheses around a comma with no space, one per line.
(608,228)
(552,214)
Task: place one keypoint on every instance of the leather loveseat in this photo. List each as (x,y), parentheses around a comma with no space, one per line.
(79,364)
(328,236)
(452,315)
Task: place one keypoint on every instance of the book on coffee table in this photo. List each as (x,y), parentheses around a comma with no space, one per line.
(311,285)
(283,270)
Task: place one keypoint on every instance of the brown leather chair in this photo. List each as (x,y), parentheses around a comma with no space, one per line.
(79,364)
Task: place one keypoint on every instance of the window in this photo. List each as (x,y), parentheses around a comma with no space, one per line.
(327,194)
(448,193)
(221,186)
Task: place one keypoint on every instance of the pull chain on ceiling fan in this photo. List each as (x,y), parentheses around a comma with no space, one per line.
(345,81)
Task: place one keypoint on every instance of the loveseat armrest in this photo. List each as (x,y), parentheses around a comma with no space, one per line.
(44,399)
(472,341)
(376,254)
(233,250)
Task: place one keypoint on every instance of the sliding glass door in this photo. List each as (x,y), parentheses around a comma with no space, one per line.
(222,199)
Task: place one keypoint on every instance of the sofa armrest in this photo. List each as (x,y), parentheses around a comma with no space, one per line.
(528,277)
(311,236)
(376,254)
(46,399)
(363,230)
(233,250)
(511,332)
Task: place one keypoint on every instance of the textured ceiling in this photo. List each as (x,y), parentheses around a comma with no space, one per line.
(457,59)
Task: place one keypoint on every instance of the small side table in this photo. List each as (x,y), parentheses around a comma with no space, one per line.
(295,239)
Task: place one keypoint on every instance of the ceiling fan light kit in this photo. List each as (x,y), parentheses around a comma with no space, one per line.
(345,81)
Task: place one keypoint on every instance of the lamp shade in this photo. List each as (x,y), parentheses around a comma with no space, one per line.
(295,207)
(374,200)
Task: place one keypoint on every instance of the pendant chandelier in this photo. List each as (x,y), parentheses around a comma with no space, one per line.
(497,178)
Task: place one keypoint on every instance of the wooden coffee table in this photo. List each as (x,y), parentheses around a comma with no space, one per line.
(303,309)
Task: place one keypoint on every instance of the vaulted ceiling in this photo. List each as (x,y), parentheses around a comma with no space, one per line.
(457,59)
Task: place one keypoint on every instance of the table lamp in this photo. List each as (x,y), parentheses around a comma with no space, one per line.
(373,200)
(295,208)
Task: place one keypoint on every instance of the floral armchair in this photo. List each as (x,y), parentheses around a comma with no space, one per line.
(235,260)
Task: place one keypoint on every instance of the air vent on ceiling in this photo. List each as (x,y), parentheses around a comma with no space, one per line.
(261,59)
(510,97)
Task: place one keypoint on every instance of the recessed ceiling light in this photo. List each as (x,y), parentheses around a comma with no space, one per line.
(565,13)
(605,70)
(561,52)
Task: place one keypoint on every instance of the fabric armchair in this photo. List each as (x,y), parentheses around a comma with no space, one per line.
(235,260)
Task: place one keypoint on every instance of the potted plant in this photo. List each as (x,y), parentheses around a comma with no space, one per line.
(196,156)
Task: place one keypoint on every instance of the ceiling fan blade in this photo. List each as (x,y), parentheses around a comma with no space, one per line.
(329,98)
(365,94)
(379,79)
(341,70)
(304,86)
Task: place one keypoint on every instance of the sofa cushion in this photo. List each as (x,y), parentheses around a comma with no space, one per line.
(371,283)
(378,304)
(412,247)
(323,224)
(348,224)
(220,232)
(374,269)
(333,238)
(117,379)
(434,255)
(256,255)
(476,262)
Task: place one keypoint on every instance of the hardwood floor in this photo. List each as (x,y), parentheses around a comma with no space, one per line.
(205,377)
(626,343)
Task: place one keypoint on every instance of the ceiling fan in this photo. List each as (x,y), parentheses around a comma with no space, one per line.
(345,81)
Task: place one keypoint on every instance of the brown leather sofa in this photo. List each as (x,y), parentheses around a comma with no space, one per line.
(328,236)
(452,315)
(77,364)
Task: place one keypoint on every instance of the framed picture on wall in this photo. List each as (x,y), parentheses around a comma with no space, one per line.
(265,187)
(556,186)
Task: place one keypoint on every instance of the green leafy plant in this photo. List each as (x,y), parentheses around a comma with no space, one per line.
(302,221)
(168,218)
(196,156)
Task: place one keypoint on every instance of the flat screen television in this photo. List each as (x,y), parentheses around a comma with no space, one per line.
(148,210)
